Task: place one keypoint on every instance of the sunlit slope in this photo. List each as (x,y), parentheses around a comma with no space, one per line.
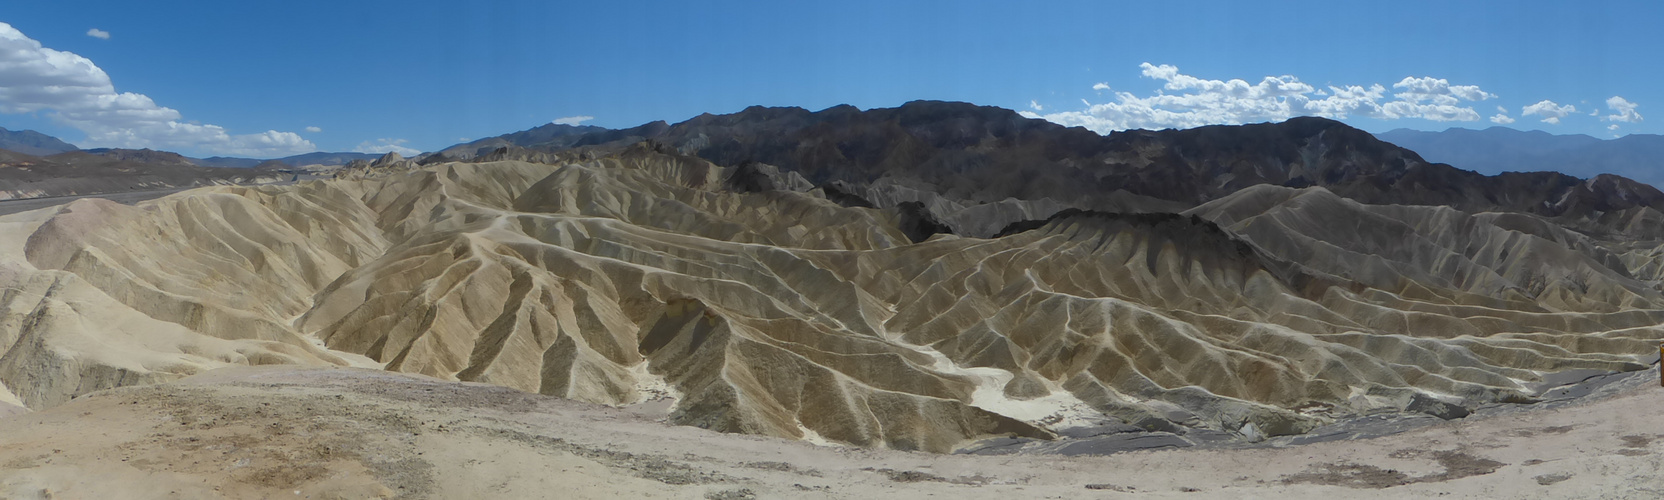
(779,312)
(101,295)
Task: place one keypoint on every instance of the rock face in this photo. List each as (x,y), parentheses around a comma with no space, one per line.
(898,312)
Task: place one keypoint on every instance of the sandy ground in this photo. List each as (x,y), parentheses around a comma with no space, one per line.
(286,432)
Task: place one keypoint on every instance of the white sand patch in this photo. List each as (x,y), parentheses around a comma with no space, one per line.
(1058,410)
(814,438)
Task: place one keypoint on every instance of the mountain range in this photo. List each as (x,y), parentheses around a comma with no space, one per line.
(930,151)
(544,134)
(35,165)
(1500,149)
(34,143)
(300,160)
(30,142)
(936,276)
(1491,151)
(104,171)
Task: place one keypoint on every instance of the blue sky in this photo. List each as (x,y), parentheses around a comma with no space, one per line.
(250,78)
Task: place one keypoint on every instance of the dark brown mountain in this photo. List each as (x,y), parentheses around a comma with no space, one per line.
(548,138)
(981,154)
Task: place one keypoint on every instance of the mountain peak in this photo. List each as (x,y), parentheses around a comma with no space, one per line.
(32,143)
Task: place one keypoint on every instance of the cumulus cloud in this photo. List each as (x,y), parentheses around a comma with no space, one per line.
(73,91)
(1187,101)
(1612,127)
(1550,111)
(1625,110)
(572,120)
(314,130)
(1438,91)
(1100,86)
(98,33)
(384,146)
(1035,105)
(1501,119)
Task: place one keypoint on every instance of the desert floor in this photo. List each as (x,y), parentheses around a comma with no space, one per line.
(287,432)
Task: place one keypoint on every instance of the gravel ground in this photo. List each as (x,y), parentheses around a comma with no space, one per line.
(288,432)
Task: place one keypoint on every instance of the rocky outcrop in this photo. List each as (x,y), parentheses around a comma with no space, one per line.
(760,177)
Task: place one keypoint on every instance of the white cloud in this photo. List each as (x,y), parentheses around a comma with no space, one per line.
(1100,86)
(1501,119)
(1036,105)
(1549,110)
(1186,101)
(75,92)
(1438,91)
(1612,127)
(1625,110)
(314,130)
(1501,109)
(383,146)
(1434,99)
(98,33)
(572,120)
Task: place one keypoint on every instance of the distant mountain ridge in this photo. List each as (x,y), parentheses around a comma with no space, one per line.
(1501,149)
(32,143)
(952,156)
(970,154)
(528,137)
(100,171)
(316,158)
(551,137)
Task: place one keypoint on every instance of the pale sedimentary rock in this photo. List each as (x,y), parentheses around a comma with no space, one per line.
(766,308)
